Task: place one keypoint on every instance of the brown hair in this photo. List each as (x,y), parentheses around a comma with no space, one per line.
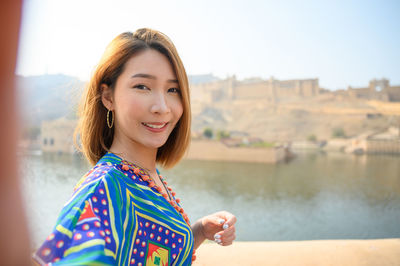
(95,136)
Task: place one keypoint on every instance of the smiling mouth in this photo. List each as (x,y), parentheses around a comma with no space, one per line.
(155,125)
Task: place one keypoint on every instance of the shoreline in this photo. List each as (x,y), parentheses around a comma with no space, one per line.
(311,252)
(211,150)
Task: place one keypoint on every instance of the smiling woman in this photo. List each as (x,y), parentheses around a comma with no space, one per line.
(119,73)
(135,113)
(147,105)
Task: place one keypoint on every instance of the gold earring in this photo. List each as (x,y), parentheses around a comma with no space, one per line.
(108,119)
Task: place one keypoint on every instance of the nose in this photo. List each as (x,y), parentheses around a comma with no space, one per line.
(160,104)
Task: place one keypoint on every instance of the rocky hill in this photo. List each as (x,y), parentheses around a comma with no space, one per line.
(49,97)
(297,118)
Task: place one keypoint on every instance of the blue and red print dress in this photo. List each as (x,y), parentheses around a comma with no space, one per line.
(115,218)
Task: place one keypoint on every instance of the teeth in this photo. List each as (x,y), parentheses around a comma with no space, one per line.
(154,126)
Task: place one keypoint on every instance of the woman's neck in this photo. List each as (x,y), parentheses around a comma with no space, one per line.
(137,154)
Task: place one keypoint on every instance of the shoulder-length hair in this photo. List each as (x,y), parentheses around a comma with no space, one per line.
(94,135)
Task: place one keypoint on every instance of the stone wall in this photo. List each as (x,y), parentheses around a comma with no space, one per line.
(259,90)
(256,89)
(216,151)
(374,146)
(393,93)
(377,90)
(272,90)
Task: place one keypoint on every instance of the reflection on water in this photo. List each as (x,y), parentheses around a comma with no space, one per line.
(315,196)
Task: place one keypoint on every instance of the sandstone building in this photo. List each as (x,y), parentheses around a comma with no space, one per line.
(57,136)
(274,90)
(253,89)
(377,90)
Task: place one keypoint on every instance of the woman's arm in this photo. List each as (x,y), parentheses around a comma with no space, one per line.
(198,234)
(219,227)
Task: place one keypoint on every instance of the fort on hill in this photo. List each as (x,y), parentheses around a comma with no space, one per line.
(254,89)
(273,90)
(292,110)
(254,109)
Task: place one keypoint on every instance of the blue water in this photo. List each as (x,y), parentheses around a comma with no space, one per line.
(315,196)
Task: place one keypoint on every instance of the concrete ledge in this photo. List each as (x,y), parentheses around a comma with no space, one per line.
(315,252)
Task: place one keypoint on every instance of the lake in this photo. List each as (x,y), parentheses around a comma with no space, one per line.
(314,196)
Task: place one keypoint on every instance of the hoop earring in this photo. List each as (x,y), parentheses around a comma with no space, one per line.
(110,125)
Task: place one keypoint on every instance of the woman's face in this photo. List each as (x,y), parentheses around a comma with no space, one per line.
(146,101)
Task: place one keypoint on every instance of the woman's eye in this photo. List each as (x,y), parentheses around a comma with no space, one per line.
(174,90)
(141,87)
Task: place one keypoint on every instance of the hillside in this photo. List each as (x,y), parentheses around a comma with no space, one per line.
(52,96)
(298,118)
(47,97)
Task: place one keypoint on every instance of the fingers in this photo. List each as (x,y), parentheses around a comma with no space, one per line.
(223,223)
(228,231)
(231,220)
(225,218)
(226,241)
(225,237)
(214,224)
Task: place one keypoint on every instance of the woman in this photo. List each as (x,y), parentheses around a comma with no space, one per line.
(135,113)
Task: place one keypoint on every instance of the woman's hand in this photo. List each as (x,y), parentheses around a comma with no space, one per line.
(219,226)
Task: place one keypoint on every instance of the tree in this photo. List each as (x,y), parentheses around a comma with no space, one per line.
(338,132)
(312,138)
(208,133)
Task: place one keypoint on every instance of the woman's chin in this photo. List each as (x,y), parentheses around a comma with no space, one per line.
(156,145)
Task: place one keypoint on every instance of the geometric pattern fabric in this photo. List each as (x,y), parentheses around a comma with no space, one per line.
(114,218)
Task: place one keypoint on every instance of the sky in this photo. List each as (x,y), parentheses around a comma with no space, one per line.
(342,43)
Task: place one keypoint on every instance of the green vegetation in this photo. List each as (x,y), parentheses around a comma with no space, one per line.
(312,138)
(208,133)
(262,144)
(338,132)
(222,134)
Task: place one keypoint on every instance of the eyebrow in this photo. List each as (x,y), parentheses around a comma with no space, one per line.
(148,76)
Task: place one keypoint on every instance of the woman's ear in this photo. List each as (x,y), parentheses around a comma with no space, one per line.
(107,97)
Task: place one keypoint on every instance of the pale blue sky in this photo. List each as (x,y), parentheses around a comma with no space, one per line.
(340,42)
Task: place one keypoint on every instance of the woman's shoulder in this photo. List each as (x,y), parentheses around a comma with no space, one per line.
(108,167)
(86,221)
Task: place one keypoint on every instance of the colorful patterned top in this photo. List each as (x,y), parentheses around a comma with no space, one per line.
(115,218)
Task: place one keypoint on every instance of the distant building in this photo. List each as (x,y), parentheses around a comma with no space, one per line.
(273,90)
(377,90)
(384,142)
(57,136)
(254,89)
(387,142)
